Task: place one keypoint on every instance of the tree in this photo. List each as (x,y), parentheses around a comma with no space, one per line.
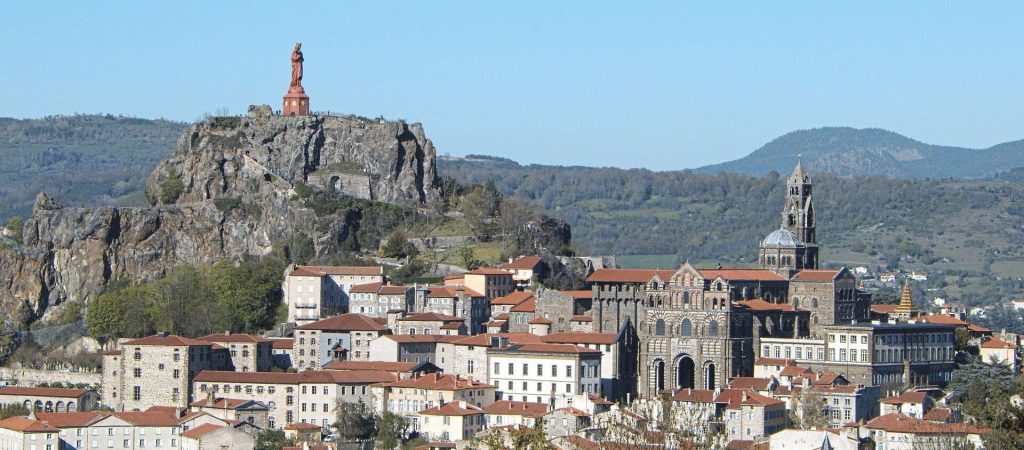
(480,207)
(247,293)
(121,313)
(391,430)
(171,188)
(531,438)
(16,227)
(355,421)
(271,440)
(181,301)
(398,246)
(813,411)
(12,409)
(468,258)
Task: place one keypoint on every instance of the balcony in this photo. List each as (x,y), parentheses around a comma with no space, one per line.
(306,305)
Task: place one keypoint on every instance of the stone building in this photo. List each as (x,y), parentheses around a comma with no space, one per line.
(40,399)
(408,397)
(376,299)
(234,409)
(492,283)
(341,337)
(468,354)
(430,323)
(411,348)
(154,370)
(457,301)
(315,292)
(246,352)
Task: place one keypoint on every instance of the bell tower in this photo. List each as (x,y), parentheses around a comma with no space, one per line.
(798,214)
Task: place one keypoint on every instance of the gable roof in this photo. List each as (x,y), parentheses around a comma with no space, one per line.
(25,424)
(528,306)
(907,397)
(522,263)
(816,275)
(345,322)
(513,298)
(628,275)
(201,430)
(170,340)
(509,407)
(437,381)
(488,271)
(148,418)
(76,419)
(368,288)
(451,291)
(991,343)
(459,408)
(282,343)
(900,423)
(319,271)
(694,395)
(232,337)
(42,392)
(734,398)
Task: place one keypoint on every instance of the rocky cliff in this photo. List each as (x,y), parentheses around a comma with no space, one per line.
(227,191)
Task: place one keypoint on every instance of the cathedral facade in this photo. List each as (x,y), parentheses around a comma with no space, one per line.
(696,328)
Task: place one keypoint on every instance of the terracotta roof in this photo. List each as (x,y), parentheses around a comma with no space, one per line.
(760,384)
(628,275)
(282,344)
(761,305)
(573,411)
(167,340)
(522,263)
(526,409)
(446,382)
(978,329)
(309,376)
(742,274)
(391,289)
(816,275)
(899,423)
(762,361)
(201,430)
(148,418)
(451,292)
(345,322)
(839,389)
(734,398)
(540,320)
(42,392)
(318,271)
(368,288)
(23,424)
(792,371)
(992,343)
(430,317)
(581,338)
(549,348)
(694,396)
(580,294)
(514,298)
(883,309)
(907,397)
(114,352)
(943,319)
(528,306)
(221,403)
(488,271)
(484,339)
(938,415)
(581,318)
(232,337)
(452,325)
(453,409)
(387,366)
(77,419)
(302,426)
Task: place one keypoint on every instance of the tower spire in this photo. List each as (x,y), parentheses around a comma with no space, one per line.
(906,305)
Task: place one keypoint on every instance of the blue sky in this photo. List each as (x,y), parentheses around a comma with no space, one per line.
(662,85)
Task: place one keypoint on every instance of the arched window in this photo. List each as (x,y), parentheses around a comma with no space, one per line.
(687,327)
(659,327)
(814,302)
(796,302)
(713,328)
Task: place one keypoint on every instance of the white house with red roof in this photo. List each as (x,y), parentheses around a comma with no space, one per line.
(453,421)
(1002,349)
(314,292)
(544,372)
(525,270)
(345,336)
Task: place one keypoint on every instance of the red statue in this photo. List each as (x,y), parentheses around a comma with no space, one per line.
(296,68)
(296,102)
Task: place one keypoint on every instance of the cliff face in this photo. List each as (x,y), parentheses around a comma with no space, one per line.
(227,191)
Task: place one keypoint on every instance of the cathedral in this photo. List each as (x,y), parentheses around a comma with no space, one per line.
(696,328)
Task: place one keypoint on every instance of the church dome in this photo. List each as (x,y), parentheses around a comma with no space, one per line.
(781,238)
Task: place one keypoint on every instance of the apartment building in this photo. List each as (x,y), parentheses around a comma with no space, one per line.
(376,299)
(540,372)
(246,352)
(315,292)
(155,370)
(341,337)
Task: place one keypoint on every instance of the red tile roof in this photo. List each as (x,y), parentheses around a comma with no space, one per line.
(391,289)
(742,274)
(528,306)
(581,318)
(883,309)
(540,320)
(345,322)
(24,424)
(792,371)
(762,361)
(386,366)
(522,263)
(526,409)
(282,344)
(514,298)
(899,423)
(761,305)
(943,319)
(992,343)
(220,403)
(551,348)
(453,409)
(581,338)
(201,430)
(232,337)
(71,419)
(694,396)
(760,384)
(628,275)
(42,392)
(484,339)
(319,271)
(309,376)
(816,275)
(368,288)
(170,340)
(148,418)
(938,415)
(734,398)
(488,271)
(114,352)
(906,397)
(436,381)
(430,317)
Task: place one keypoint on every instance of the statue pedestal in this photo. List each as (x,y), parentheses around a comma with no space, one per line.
(296,103)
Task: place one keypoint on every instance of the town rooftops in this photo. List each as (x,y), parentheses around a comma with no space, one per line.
(345,322)
(762,361)
(938,415)
(883,309)
(484,339)
(459,408)
(735,398)
(451,292)
(761,305)
(148,418)
(233,337)
(309,376)
(25,424)
(282,343)
(741,274)
(528,306)
(488,271)
(368,288)
(581,338)
(540,320)
(992,343)
(437,381)
(513,298)
(522,263)
(906,397)
(694,395)
(900,423)
(169,340)
(78,419)
(509,407)
(319,271)
(201,430)
(547,348)
(430,317)
(30,391)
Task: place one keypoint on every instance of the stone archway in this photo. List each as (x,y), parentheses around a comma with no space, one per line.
(685,373)
(709,376)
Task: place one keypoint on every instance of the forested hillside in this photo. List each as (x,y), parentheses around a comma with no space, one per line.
(81,160)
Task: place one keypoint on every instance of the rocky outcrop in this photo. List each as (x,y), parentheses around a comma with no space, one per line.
(227,191)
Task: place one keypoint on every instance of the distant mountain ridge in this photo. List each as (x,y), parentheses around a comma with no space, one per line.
(848,151)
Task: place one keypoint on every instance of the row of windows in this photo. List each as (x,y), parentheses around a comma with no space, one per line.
(540,369)
(686,328)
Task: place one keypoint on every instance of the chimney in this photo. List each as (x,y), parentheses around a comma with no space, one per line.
(210,399)
(227,332)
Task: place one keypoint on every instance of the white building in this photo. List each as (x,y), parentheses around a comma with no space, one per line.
(542,372)
(314,292)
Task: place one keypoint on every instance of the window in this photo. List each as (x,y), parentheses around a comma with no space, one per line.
(864,356)
(842,338)
(137,372)
(554,370)
(511,369)
(713,328)
(136,393)
(526,369)
(687,328)
(177,373)
(659,327)
(540,370)
(831,354)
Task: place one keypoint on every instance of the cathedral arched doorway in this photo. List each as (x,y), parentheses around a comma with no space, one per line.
(709,376)
(659,376)
(685,372)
